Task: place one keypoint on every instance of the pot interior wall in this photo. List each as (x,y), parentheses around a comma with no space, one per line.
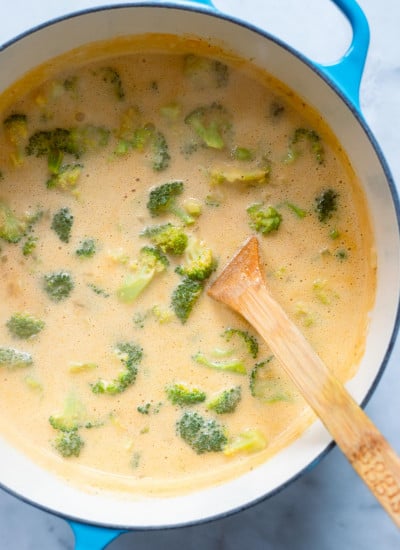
(34,484)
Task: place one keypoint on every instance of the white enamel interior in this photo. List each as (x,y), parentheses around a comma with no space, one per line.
(25,479)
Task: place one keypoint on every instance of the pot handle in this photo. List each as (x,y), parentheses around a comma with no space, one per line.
(93,537)
(346,73)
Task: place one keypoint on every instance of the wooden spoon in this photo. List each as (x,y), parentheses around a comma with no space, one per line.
(242,287)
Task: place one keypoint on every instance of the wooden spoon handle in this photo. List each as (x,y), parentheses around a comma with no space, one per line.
(359,439)
(242,287)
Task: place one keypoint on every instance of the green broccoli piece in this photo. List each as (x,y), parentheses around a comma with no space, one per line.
(301,134)
(248,177)
(184,297)
(313,138)
(65,177)
(86,248)
(24,326)
(72,417)
(199,261)
(205,72)
(149,262)
(98,290)
(16,132)
(264,219)
(226,401)
(112,77)
(130,355)
(249,340)
(12,227)
(15,128)
(326,204)
(87,138)
(12,358)
(300,213)
(143,137)
(53,144)
(29,245)
(182,395)
(68,444)
(242,154)
(248,441)
(161,156)
(266,385)
(58,285)
(210,123)
(233,360)
(168,237)
(230,365)
(162,200)
(62,224)
(202,434)
(47,143)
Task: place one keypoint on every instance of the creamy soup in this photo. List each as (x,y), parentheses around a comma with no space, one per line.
(131,172)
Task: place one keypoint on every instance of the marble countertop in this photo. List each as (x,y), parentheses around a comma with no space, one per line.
(329,507)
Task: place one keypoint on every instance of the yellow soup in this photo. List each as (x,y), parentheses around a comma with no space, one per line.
(130,173)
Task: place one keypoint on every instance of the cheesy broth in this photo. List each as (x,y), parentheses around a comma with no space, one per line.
(128,97)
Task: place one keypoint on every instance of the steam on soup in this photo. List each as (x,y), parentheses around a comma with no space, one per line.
(130,173)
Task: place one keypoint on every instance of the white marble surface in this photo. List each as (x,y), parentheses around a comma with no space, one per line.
(329,508)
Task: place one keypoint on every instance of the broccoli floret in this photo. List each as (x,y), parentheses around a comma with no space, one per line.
(29,245)
(249,340)
(184,297)
(230,365)
(74,141)
(211,124)
(68,443)
(202,434)
(23,325)
(250,177)
(16,132)
(168,237)
(12,227)
(149,408)
(199,261)
(233,360)
(130,355)
(62,224)
(205,72)
(15,127)
(162,200)
(314,140)
(264,219)
(248,441)
(226,401)
(45,143)
(112,77)
(88,138)
(326,204)
(143,137)
(86,248)
(301,134)
(266,385)
(182,395)
(149,262)
(72,417)
(161,156)
(65,178)
(58,285)
(12,358)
